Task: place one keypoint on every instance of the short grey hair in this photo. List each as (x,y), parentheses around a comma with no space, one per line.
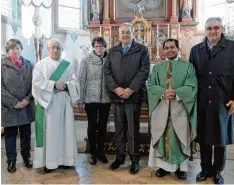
(218,19)
(54,41)
(128,24)
(12,43)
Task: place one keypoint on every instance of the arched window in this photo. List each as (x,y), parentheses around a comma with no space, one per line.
(71,15)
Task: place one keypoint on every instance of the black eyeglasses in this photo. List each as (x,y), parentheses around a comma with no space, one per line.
(209,28)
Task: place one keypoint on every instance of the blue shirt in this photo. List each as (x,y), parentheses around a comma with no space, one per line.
(129,45)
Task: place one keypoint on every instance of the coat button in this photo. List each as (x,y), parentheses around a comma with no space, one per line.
(210,73)
(209,101)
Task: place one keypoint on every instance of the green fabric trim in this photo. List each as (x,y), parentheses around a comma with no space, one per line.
(176,155)
(39,118)
(184,82)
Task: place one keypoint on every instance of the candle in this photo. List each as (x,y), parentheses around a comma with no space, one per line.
(157,54)
(168,31)
(178,31)
(110,36)
(157,31)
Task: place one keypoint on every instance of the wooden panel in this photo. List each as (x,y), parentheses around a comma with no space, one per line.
(143,118)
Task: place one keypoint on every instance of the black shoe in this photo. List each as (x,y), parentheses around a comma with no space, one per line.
(67,167)
(161,172)
(93,160)
(11,168)
(134,168)
(218,178)
(203,175)
(103,158)
(46,170)
(181,175)
(28,163)
(115,165)
(64,167)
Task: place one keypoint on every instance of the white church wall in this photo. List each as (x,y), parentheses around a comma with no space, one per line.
(73,50)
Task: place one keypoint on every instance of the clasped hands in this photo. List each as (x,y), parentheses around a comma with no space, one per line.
(21,104)
(60,85)
(169,94)
(123,93)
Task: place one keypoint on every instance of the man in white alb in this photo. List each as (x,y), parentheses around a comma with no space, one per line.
(55,90)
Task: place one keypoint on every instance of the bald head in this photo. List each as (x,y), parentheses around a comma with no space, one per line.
(54,49)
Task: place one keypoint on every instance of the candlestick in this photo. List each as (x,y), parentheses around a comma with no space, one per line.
(157,31)
(178,31)
(168,31)
(110,37)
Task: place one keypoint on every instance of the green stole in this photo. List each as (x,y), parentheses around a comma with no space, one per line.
(39,118)
(186,88)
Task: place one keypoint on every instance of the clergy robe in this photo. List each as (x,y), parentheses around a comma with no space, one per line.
(60,146)
(172,123)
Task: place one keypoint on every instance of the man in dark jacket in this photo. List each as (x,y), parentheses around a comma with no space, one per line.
(126,71)
(213,60)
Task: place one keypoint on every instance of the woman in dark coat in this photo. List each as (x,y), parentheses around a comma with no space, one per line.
(17,103)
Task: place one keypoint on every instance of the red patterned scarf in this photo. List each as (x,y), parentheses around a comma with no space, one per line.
(18,63)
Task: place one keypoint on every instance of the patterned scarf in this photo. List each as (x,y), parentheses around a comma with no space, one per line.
(18,63)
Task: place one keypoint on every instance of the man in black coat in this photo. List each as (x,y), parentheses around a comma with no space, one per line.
(126,71)
(213,60)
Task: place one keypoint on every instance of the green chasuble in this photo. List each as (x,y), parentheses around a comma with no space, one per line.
(39,118)
(184,82)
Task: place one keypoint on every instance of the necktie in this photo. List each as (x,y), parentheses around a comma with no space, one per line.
(125,49)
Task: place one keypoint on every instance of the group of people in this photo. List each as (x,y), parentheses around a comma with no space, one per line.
(189,101)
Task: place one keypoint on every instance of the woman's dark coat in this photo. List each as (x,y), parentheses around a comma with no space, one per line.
(15,86)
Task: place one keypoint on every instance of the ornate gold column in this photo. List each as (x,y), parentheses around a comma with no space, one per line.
(173,18)
(106,12)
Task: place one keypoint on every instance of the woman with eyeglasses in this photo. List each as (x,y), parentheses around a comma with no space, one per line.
(17,103)
(95,99)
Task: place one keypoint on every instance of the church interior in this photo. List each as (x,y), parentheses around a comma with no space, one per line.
(75,23)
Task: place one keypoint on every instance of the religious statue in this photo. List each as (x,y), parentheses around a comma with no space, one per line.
(139,10)
(186,7)
(139,33)
(96,9)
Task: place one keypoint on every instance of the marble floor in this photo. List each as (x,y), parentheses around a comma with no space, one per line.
(84,173)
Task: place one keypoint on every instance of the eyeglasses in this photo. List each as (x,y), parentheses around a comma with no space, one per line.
(55,47)
(209,28)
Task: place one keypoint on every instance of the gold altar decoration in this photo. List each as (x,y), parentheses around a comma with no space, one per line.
(142,30)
